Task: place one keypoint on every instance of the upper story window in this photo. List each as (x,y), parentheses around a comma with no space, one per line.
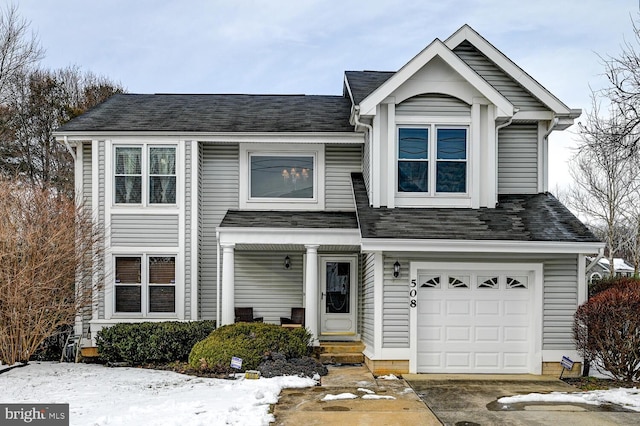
(432,160)
(145,174)
(282,176)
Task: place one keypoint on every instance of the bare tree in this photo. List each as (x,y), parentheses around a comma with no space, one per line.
(605,177)
(49,257)
(19,48)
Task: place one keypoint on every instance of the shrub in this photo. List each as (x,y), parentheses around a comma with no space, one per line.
(607,330)
(608,282)
(151,342)
(253,342)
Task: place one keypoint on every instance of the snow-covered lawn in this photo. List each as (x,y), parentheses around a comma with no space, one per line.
(627,398)
(99,395)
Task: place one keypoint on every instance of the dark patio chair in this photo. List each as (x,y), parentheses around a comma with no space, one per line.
(297,317)
(246,315)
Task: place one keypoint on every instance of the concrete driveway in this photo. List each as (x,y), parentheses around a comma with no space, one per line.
(468,400)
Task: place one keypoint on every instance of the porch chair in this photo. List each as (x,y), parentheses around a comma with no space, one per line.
(246,315)
(297,317)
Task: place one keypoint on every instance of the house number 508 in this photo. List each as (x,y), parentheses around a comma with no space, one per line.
(413,293)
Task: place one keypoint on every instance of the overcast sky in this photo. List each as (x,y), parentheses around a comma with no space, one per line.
(304,46)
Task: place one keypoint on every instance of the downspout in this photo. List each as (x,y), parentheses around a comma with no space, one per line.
(218,314)
(73,154)
(356,120)
(554,123)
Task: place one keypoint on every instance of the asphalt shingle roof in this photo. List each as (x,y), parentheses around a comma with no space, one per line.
(529,217)
(289,219)
(363,83)
(216,113)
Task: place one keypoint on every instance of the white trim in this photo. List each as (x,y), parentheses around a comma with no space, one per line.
(498,58)
(224,137)
(436,48)
(582,279)
(392,148)
(536,289)
(473,156)
(316,151)
(195,173)
(493,246)
(376,163)
(289,236)
(378,301)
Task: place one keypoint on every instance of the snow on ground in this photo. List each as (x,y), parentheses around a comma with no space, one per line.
(99,395)
(627,398)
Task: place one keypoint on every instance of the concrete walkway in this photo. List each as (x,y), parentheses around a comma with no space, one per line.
(377,402)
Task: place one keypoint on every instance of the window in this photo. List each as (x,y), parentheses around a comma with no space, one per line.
(146,290)
(133,164)
(282,176)
(416,151)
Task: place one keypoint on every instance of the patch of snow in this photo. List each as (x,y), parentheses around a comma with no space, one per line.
(378,397)
(388,377)
(625,397)
(99,395)
(365,390)
(340,396)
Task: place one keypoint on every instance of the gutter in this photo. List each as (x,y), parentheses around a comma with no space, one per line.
(356,119)
(554,123)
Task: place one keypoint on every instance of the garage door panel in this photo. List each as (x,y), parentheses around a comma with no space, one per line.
(481,328)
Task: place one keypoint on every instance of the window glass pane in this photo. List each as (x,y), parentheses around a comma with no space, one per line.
(281,176)
(412,176)
(162,270)
(128,161)
(338,287)
(128,270)
(162,161)
(162,189)
(129,189)
(128,298)
(451,176)
(452,144)
(413,143)
(162,298)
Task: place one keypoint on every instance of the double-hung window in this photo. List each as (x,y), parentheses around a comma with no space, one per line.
(145,174)
(145,284)
(432,160)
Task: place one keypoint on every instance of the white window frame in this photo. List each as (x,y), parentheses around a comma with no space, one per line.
(303,150)
(145,173)
(144,284)
(432,162)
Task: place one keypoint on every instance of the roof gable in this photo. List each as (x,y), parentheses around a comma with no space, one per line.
(466,33)
(433,50)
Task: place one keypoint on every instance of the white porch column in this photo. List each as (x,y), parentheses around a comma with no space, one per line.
(228,284)
(311,295)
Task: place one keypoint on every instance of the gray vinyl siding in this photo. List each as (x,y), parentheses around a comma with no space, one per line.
(340,161)
(187,229)
(366,311)
(509,88)
(395,311)
(101,212)
(560,294)
(560,301)
(219,191)
(144,230)
(262,282)
(87,176)
(518,159)
(434,106)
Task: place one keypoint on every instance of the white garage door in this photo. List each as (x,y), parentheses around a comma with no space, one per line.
(474,322)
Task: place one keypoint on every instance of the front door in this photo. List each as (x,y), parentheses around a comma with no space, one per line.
(338,296)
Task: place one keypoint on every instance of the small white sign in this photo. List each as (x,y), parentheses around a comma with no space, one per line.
(236,363)
(566,363)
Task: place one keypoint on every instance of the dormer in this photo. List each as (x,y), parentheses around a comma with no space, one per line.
(434,126)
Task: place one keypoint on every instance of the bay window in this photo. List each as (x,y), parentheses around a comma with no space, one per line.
(145,284)
(145,174)
(432,160)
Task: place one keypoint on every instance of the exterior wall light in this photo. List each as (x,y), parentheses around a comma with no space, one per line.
(396,269)
(287,262)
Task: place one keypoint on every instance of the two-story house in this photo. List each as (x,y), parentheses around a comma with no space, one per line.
(411,213)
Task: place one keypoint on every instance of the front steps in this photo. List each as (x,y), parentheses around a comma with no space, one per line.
(340,352)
